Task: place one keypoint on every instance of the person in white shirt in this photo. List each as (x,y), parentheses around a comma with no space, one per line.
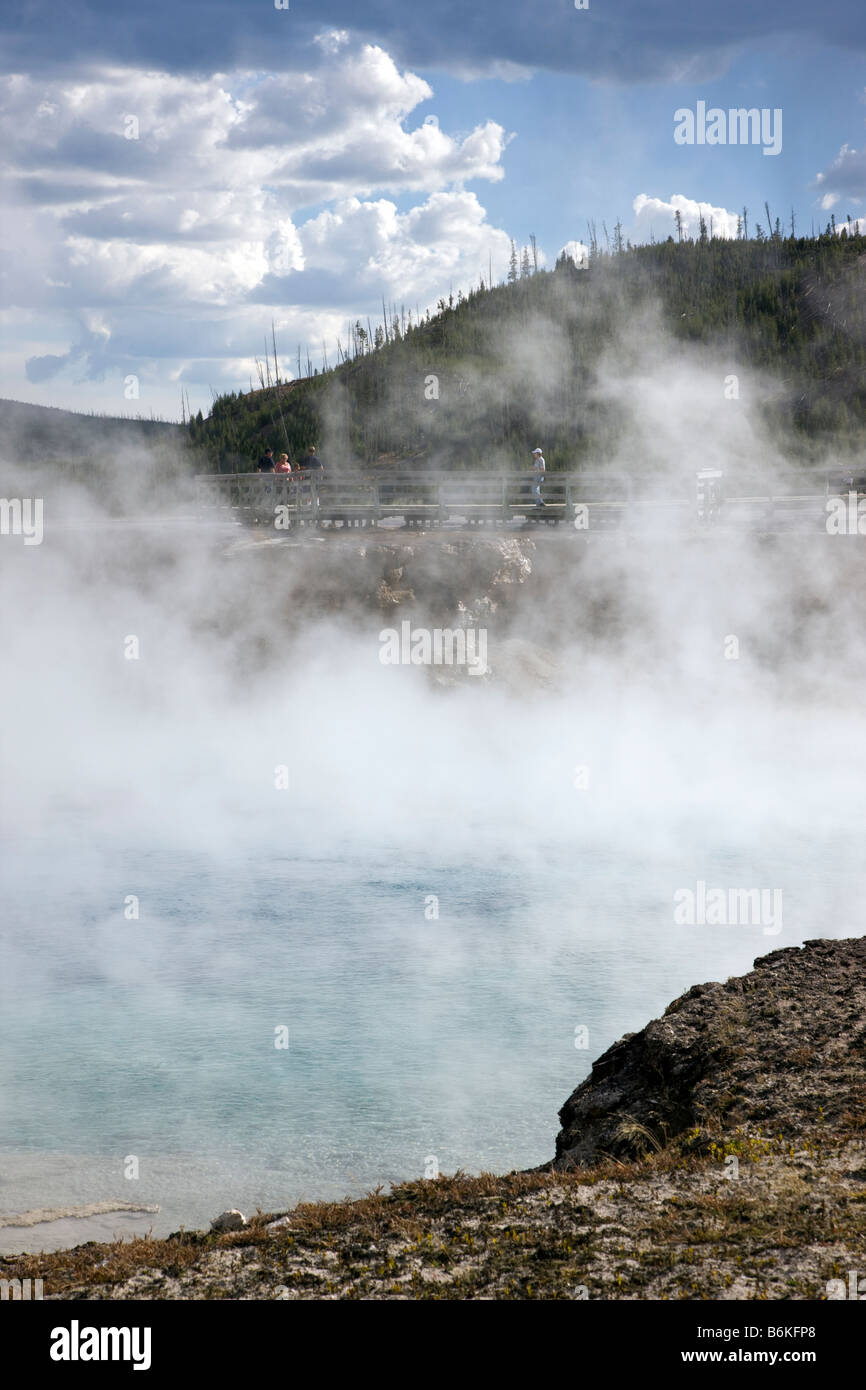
(538,467)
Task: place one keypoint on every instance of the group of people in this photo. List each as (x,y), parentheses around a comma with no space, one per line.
(312,462)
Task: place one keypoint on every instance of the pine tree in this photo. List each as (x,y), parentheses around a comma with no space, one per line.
(769,291)
(512,264)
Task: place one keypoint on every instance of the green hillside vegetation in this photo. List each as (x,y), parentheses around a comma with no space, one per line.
(43,432)
(97,451)
(520,363)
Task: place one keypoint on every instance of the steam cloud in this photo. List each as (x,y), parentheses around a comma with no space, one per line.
(258,651)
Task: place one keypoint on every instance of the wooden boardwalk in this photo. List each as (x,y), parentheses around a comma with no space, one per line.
(580,502)
(414,499)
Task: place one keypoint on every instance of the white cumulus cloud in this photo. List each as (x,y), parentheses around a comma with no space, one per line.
(844,177)
(150,196)
(659,217)
(576,251)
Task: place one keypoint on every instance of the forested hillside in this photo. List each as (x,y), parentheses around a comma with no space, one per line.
(490,375)
(36,433)
(124,461)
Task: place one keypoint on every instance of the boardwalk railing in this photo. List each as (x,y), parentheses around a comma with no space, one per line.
(416,498)
(607,500)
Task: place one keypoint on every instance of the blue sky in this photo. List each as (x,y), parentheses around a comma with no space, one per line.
(174,177)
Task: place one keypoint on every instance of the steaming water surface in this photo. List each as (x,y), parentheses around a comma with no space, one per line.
(419,1032)
(409,1037)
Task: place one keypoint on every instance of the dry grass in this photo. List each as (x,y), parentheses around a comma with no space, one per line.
(668,1226)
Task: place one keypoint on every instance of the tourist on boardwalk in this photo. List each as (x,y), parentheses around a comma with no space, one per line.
(283,466)
(538,467)
(313,463)
(266,462)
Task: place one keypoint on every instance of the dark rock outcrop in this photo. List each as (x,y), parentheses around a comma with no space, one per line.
(779,1051)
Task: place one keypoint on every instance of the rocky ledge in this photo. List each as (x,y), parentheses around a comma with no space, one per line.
(720,1153)
(779,1050)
